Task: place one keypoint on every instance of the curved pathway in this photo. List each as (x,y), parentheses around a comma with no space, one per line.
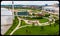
(16,27)
(40,24)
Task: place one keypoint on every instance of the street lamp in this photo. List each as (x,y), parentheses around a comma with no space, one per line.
(13,9)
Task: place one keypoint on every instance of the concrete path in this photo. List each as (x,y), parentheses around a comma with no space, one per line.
(16,27)
(40,24)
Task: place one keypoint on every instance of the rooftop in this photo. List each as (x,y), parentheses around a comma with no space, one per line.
(22,13)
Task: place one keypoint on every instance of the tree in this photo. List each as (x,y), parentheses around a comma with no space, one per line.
(53,21)
(26,31)
(21,22)
(55,18)
(57,21)
(14,13)
(54,24)
(33,24)
(42,27)
(33,14)
(47,15)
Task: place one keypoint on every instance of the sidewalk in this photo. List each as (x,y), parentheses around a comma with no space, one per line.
(40,24)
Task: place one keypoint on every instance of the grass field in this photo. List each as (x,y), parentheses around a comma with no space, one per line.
(23,23)
(36,30)
(43,20)
(15,23)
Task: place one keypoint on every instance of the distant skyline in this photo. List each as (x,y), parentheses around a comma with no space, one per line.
(29,2)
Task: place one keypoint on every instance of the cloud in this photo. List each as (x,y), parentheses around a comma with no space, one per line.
(6,3)
(28,2)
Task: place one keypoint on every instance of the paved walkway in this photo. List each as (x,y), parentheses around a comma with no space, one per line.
(16,27)
(40,24)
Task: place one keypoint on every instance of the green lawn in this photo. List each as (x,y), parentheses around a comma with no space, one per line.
(36,30)
(15,23)
(23,23)
(43,20)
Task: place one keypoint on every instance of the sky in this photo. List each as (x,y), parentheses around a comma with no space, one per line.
(29,2)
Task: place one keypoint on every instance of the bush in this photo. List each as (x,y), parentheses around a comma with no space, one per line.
(57,21)
(34,18)
(46,15)
(33,14)
(37,17)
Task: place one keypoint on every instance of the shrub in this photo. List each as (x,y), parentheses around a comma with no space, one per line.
(37,17)
(57,21)
(46,15)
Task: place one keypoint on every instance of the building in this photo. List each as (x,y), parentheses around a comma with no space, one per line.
(6,19)
(54,9)
(23,13)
